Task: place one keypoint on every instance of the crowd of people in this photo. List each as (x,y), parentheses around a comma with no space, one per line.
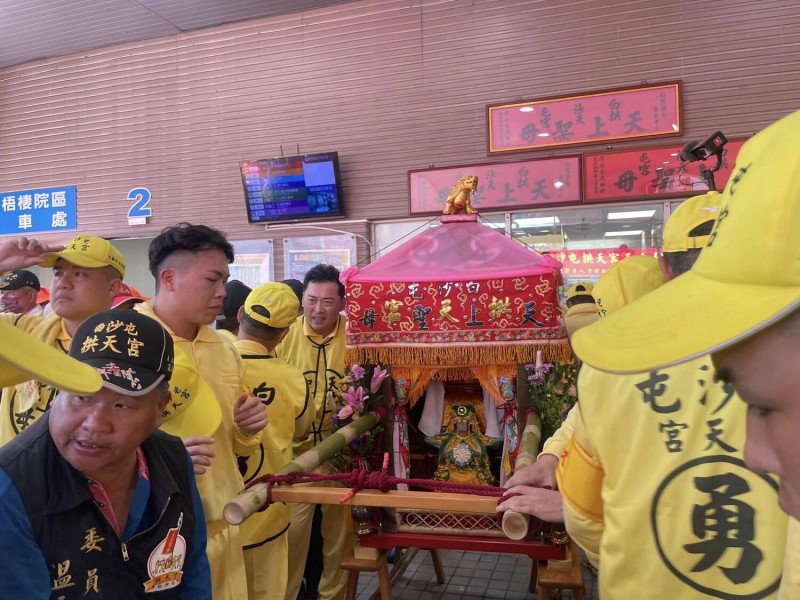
(126,425)
(141,460)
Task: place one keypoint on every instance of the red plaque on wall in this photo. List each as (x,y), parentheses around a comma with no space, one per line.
(589,118)
(650,173)
(501,186)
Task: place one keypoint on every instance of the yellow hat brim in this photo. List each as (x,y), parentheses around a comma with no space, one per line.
(23,357)
(76,258)
(671,324)
(202,415)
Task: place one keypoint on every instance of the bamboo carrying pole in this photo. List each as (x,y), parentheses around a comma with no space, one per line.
(515,525)
(444,501)
(248,502)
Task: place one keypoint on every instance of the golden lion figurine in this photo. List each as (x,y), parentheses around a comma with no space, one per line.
(459,198)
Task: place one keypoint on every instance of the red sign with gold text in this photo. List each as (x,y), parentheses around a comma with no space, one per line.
(651,172)
(596,261)
(590,118)
(501,186)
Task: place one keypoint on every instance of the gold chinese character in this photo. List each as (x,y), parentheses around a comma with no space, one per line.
(614,257)
(99,327)
(588,259)
(114,325)
(110,341)
(498,308)
(92,541)
(601,259)
(64,579)
(90,343)
(91,581)
(573,258)
(133,346)
(394,310)
(130,329)
(444,312)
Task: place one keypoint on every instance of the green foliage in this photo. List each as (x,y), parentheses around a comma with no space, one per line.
(551,391)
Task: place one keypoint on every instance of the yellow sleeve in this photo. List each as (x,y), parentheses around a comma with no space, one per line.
(24,322)
(557,443)
(243,445)
(580,480)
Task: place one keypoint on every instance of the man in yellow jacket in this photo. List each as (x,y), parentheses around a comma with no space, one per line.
(315,345)
(209,412)
(740,303)
(654,475)
(86,276)
(264,319)
(622,283)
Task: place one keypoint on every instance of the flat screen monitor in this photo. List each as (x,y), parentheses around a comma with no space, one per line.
(293,187)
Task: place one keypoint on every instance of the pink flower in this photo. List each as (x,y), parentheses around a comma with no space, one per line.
(345,412)
(355,398)
(378,375)
(356,372)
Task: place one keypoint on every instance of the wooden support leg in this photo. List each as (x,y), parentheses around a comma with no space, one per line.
(437,565)
(352,585)
(534,571)
(383,583)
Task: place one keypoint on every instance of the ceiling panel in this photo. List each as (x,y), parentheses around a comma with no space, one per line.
(34,29)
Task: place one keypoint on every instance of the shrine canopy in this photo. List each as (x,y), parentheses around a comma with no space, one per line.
(456,295)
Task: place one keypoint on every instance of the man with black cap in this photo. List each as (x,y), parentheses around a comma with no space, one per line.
(92,498)
(18,292)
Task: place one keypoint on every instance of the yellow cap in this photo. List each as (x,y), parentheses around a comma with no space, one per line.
(23,357)
(690,214)
(273,304)
(90,252)
(193,409)
(745,279)
(625,281)
(582,288)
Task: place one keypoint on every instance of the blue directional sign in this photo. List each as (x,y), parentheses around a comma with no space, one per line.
(50,209)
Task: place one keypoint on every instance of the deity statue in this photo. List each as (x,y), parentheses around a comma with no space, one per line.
(463,447)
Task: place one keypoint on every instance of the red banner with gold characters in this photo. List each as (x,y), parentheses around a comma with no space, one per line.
(496,311)
(656,172)
(594,262)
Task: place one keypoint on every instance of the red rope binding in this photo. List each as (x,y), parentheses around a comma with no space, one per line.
(358,480)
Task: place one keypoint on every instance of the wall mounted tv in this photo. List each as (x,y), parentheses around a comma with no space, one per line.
(293,187)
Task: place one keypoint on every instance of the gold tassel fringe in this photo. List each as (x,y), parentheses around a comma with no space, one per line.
(456,357)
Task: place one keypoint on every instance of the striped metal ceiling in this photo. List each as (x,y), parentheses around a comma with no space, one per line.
(34,29)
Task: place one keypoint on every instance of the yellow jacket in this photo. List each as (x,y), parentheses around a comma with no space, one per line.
(322,363)
(23,404)
(655,486)
(557,443)
(222,368)
(284,392)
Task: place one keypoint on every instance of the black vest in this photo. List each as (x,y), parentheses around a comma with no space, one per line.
(82,550)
